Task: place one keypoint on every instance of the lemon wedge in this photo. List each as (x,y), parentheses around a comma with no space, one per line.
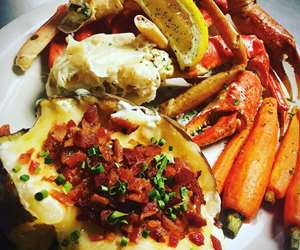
(184,26)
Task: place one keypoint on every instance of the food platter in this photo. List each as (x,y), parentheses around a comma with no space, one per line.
(19,92)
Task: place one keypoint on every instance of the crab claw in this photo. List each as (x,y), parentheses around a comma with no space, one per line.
(250,18)
(234,107)
(259,62)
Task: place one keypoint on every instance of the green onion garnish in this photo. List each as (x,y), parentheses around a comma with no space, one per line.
(145,233)
(39,196)
(93,151)
(68,187)
(60,180)
(171,148)
(103,188)
(115,217)
(17,168)
(74,236)
(161,204)
(161,142)
(124,241)
(24,177)
(153,140)
(99,169)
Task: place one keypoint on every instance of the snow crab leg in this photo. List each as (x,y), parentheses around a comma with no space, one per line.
(251,19)
(234,107)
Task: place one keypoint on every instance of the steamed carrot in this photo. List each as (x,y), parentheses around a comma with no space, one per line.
(285,163)
(225,161)
(248,179)
(292,207)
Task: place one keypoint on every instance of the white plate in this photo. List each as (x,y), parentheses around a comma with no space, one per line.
(18,94)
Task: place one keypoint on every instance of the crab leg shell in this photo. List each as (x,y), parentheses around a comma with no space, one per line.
(39,40)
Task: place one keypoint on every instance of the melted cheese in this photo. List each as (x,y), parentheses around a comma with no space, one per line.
(50,211)
(120,64)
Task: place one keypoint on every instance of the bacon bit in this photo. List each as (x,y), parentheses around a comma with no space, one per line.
(158,234)
(104,214)
(71,124)
(73,175)
(140,154)
(25,157)
(216,243)
(197,238)
(173,240)
(61,197)
(50,178)
(134,218)
(95,198)
(195,220)
(149,210)
(86,137)
(5,130)
(72,159)
(59,131)
(134,233)
(91,115)
(123,125)
(33,167)
(96,237)
(118,151)
(103,136)
(184,176)
(170,171)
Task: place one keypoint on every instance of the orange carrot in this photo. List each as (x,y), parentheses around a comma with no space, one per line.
(225,161)
(248,179)
(292,206)
(285,163)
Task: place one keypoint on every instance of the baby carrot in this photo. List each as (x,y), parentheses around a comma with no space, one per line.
(292,207)
(225,161)
(285,163)
(248,179)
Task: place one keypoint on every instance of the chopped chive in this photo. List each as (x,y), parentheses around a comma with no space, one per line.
(184,192)
(60,180)
(98,170)
(24,177)
(103,188)
(166,198)
(74,236)
(171,214)
(154,194)
(236,102)
(171,148)
(48,160)
(93,151)
(68,187)
(161,142)
(83,165)
(124,241)
(17,168)
(115,217)
(153,140)
(161,204)
(44,154)
(39,196)
(225,86)
(145,233)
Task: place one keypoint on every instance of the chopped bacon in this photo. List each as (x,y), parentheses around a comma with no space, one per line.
(73,175)
(104,214)
(184,176)
(176,229)
(86,137)
(197,238)
(195,220)
(59,131)
(33,167)
(96,237)
(118,151)
(216,243)
(91,115)
(123,125)
(4,130)
(61,197)
(103,136)
(25,157)
(141,154)
(101,200)
(72,159)
(170,171)
(149,210)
